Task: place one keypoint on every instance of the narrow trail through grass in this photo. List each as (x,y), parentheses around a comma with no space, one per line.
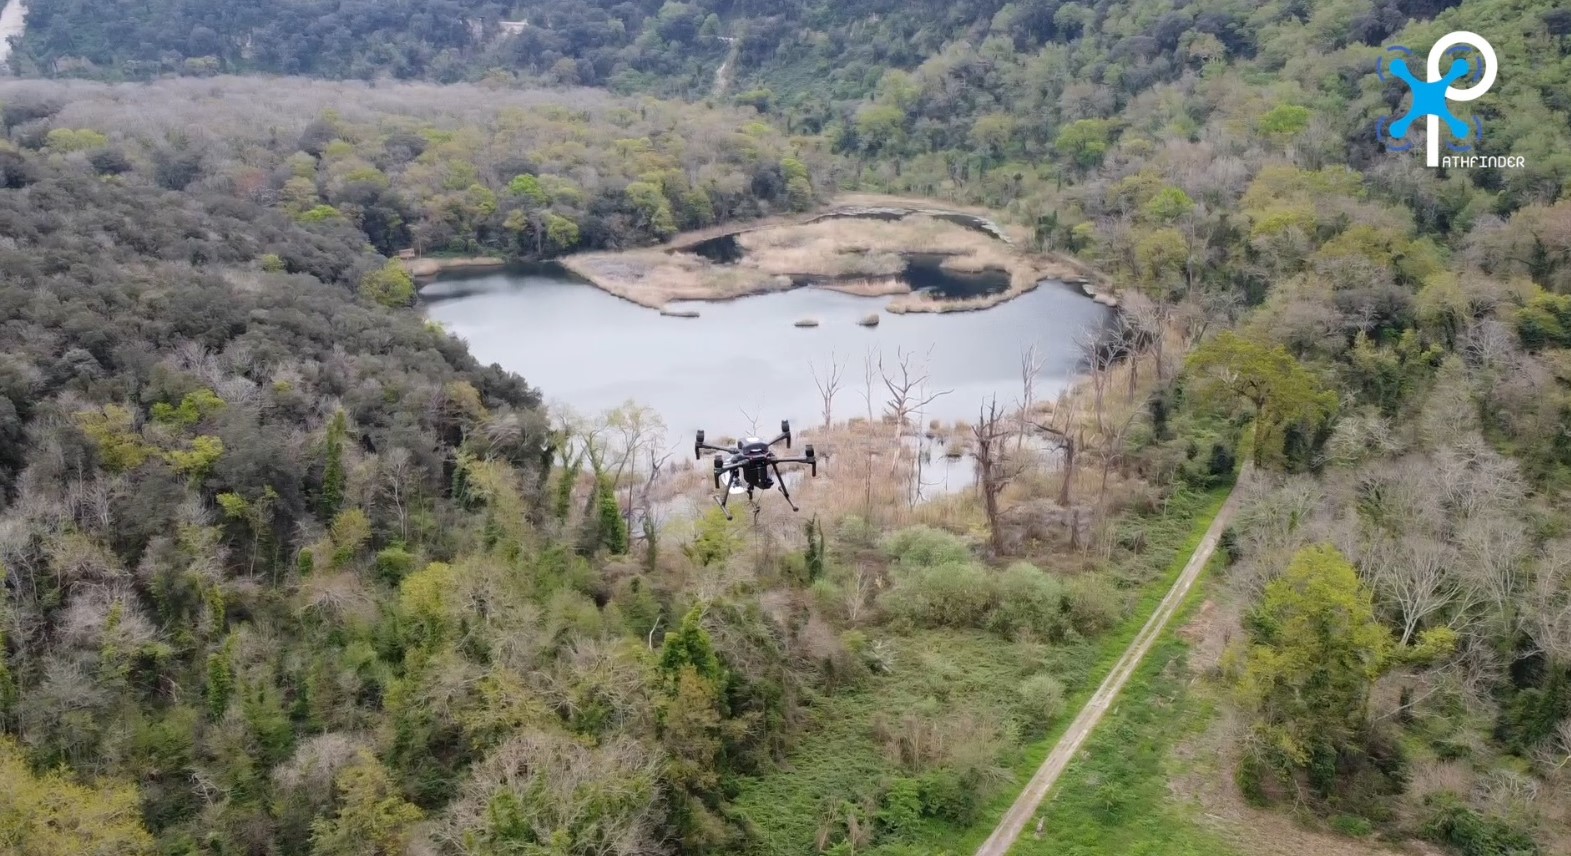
(1015,819)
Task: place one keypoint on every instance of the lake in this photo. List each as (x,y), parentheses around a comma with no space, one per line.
(745,359)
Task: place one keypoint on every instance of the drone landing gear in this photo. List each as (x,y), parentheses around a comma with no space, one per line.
(752,503)
(780,480)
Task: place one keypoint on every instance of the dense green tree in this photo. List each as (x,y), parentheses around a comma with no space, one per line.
(1315,649)
(1282,391)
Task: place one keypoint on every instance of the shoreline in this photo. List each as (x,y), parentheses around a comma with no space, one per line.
(427,267)
(861,250)
(672,272)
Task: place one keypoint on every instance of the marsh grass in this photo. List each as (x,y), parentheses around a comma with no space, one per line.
(867,252)
(839,756)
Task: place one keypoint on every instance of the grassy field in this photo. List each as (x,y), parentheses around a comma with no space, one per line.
(841,758)
(1114,798)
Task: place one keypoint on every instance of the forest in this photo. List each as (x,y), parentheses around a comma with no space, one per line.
(287,572)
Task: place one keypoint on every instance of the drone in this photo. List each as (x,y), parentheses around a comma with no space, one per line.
(747,466)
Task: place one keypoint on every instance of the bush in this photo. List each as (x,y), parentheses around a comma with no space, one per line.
(925,547)
(1030,603)
(1471,834)
(1355,827)
(393,564)
(1041,701)
(950,796)
(1094,605)
(954,594)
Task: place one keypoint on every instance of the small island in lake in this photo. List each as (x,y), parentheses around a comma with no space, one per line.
(928,260)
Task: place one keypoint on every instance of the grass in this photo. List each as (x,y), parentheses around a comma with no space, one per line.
(1114,797)
(1178,534)
(838,759)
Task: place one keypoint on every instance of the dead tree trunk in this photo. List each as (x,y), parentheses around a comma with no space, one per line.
(996,471)
(828,385)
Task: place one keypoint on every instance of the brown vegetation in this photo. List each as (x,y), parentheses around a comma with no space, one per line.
(855,256)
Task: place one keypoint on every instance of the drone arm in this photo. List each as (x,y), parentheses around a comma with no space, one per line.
(809,458)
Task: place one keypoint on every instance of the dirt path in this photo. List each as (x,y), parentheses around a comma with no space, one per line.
(1014,821)
(723,73)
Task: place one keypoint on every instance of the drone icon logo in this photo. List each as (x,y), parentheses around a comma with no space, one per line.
(1431,97)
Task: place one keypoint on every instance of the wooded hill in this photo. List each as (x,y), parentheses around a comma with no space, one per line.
(1400,338)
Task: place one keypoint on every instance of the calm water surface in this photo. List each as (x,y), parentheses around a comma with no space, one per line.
(746,358)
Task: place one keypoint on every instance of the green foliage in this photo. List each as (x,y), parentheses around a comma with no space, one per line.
(389,285)
(815,557)
(320,213)
(220,678)
(1545,322)
(1041,701)
(1454,824)
(527,187)
(1315,651)
(952,594)
(924,547)
(51,814)
(1283,392)
(197,461)
(1285,121)
(68,140)
(111,429)
(394,563)
(715,539)
(333,474)
(372,817)
(1389,377)
(1031,603)
(1084,142)
(194,407)
(689,647)
(612,525)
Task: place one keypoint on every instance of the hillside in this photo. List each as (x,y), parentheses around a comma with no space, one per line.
(289,573)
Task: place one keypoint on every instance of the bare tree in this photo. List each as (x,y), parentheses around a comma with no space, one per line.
(907,385)
(1068,439)
(1549,608)
(398,475)
(636,428)
(1148,319)
(996,469)
(1413,574)
(828,384)
(1030,366)
(869,374)
(1110,447)
(1097,356)
(858,590)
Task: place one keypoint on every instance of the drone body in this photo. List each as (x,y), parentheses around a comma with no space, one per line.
(752,465)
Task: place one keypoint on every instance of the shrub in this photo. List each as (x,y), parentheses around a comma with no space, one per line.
(1354,827)
(900,809)
(924,547)
(393,564)
(1094,605)
(1471,834)
(1041,700)
(954,594)
(950,796)
(1030,602)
